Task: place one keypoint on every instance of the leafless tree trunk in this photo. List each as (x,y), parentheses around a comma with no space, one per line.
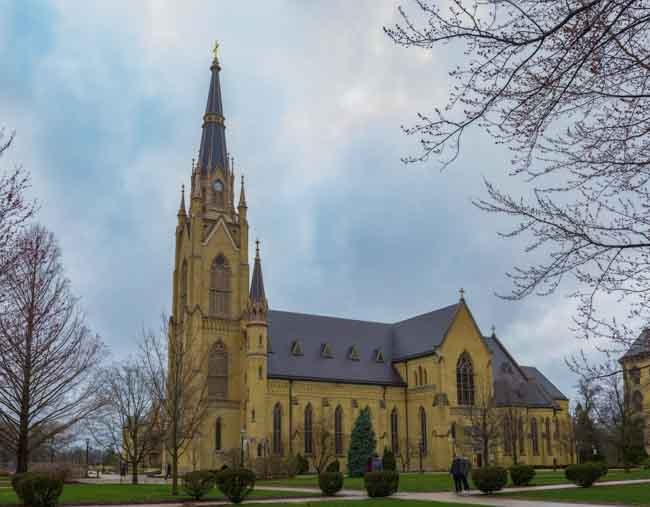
(564,85)
(485,431)
(130,420)
(512,431)
(171,363)
(323,449)
(48,356)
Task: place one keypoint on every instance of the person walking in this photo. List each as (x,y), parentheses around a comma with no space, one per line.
(456,471)
(466,466)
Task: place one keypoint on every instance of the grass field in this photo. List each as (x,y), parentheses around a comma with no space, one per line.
(432,482)
(130,493)
(632,494)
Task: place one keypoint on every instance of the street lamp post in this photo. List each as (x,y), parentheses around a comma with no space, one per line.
(87,454)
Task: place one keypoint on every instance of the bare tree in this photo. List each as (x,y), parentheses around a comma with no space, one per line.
(485,426)
(171,361)
(130,419)
(15,210)
(405,450)
(563,84)
(513,433)
(48,356)
(322,443)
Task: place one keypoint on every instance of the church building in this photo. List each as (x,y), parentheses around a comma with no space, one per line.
(276,378)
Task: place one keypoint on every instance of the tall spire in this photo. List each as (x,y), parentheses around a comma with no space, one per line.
(257,283)
(213,152)
(181,208)
(242,195)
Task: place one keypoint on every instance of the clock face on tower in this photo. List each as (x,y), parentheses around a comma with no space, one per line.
(217,186)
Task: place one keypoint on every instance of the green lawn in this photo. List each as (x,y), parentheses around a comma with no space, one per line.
(431,482)
(129,493)
(632,494)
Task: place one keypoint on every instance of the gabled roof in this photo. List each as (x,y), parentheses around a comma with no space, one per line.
(512,386)
(420,335)
(544,382)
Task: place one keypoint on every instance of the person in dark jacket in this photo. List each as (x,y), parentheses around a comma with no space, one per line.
(456,471)
(466,466)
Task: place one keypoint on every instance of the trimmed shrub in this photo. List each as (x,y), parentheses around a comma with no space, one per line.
(236,484)
(197,484)
(302,464)
(585,474)
(388,460)
(646,465)
(330,483)
(271,467)
(380,484)
(522,475)
(37,489)
(292,467)
(334,466)
(490,479)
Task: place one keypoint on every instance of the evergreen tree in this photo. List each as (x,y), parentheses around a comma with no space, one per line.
(362,444)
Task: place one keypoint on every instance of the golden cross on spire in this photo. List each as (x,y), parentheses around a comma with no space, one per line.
(215,51)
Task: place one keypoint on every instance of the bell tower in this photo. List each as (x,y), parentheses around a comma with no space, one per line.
(211,287)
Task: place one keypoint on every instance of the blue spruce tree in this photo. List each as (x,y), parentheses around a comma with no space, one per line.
(362,444)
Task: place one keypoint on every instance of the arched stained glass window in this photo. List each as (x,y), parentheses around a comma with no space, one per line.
(220,287)
(217,434)
(218,371)
(277,429)
(547,428)
(394,431)
(309,439)
(522,433)
(637,402)
(423,430)
(534,436)
(338,431)
(465,380)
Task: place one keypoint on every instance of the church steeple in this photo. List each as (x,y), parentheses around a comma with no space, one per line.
(213,153)
(257,304)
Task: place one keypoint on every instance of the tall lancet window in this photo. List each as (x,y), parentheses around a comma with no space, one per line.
(220,287)
(309,439)
(183,289)
(218,372)
(277,429)
(465,380)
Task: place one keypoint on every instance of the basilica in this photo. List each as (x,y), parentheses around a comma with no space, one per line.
(275,378)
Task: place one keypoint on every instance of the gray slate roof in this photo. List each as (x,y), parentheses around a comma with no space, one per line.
(511,384)
(545,383)
(213,152)
(640,346)
(420,335)
(314,330)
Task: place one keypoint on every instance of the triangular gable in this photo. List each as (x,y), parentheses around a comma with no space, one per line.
(462,305)
(221,223)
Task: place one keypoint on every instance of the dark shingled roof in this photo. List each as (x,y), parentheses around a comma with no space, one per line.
(640,346)
(512,385)
(213,152)
(545,383)
(314,330)
(422,334)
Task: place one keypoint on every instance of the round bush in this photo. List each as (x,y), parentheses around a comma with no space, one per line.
(388,460)
(302,464)
(490,479)
(37,490)
(380,484)
(197,484)
(236,484)
(522,475)
(585,474)
(330,483)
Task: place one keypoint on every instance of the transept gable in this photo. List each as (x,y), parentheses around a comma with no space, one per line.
(463,321)
(213,230)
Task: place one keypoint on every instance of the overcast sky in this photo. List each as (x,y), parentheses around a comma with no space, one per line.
(106,99)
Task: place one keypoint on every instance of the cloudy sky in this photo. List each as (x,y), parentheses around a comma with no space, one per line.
(106,100)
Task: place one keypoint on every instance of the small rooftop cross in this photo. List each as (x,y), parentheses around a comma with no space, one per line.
(494,330)
(215,51)
(462,293)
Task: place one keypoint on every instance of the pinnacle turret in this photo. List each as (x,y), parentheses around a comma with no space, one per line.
(242,194)
(257,304)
